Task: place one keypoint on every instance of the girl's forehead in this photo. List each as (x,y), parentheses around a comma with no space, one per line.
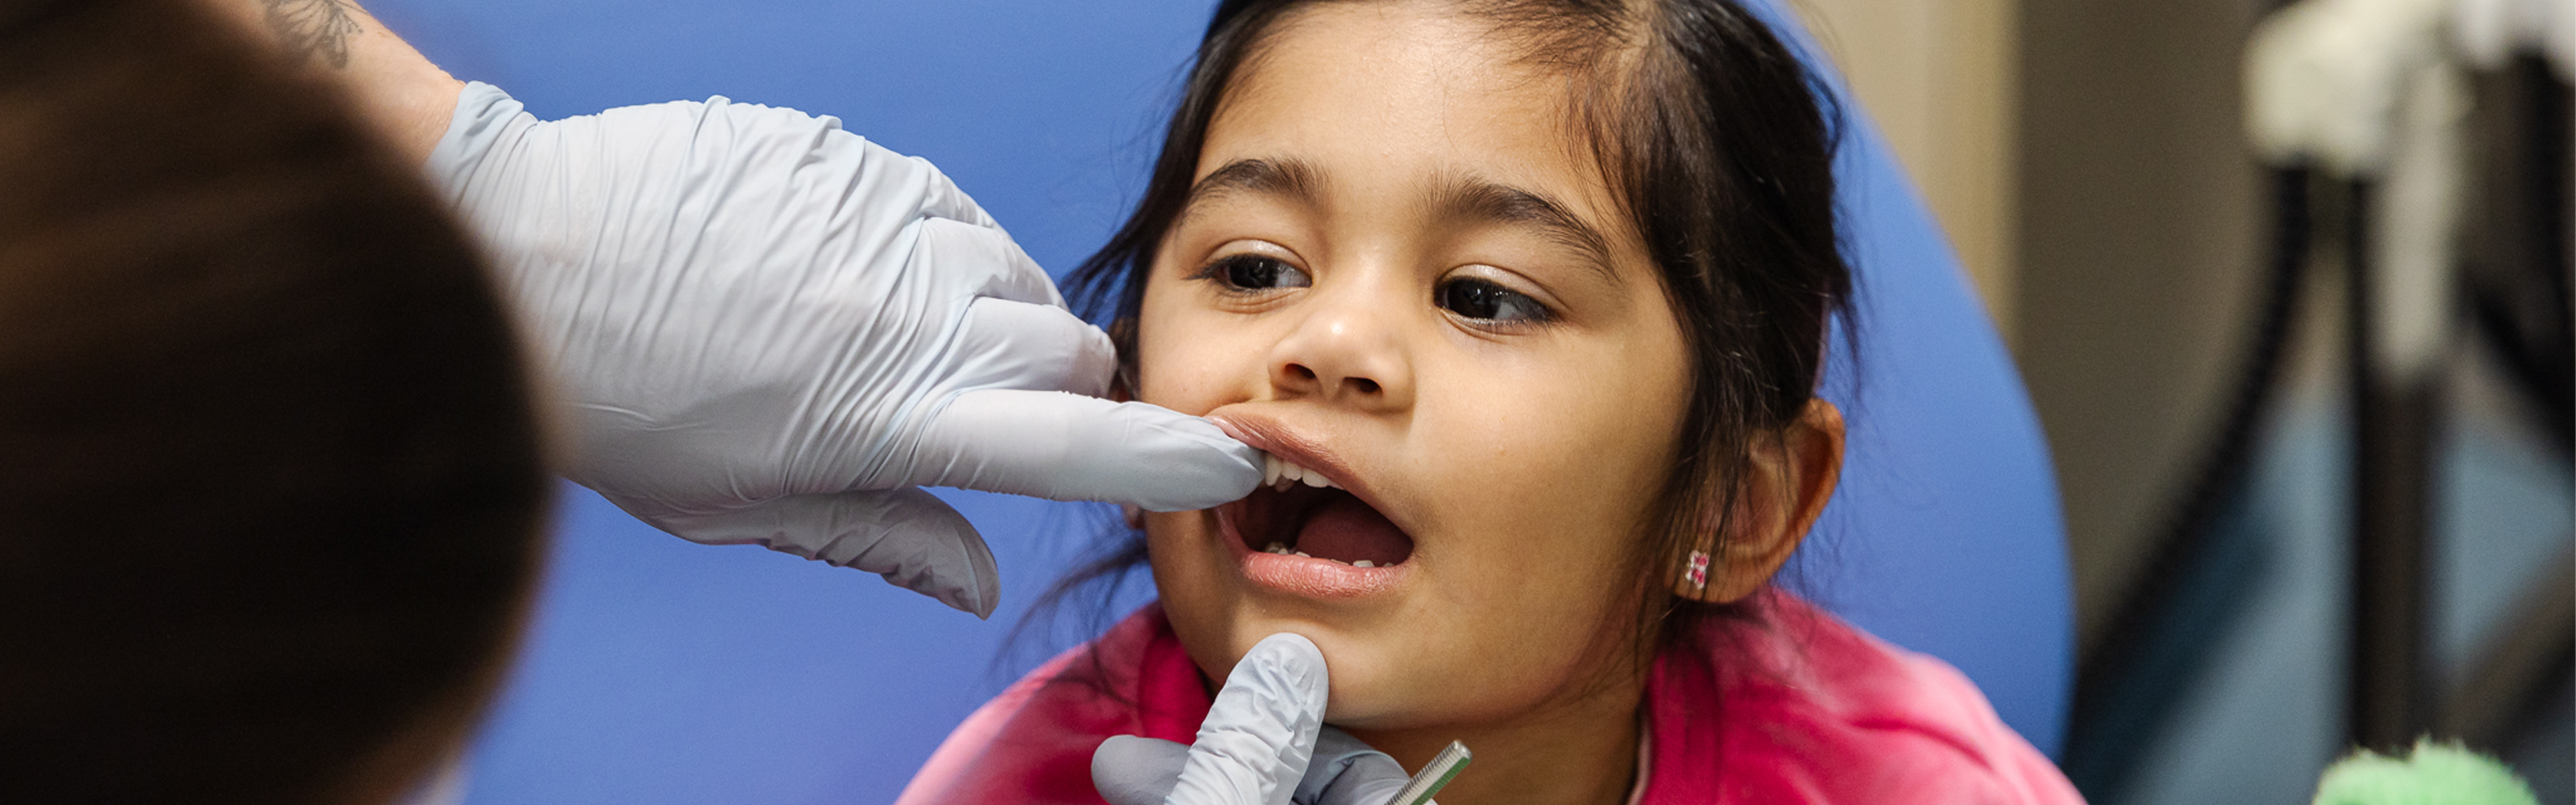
(1387,53)
(1411,100)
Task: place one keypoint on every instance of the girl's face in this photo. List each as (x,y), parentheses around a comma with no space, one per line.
(1401,269)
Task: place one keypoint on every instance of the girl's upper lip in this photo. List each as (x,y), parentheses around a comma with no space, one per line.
(1268,434)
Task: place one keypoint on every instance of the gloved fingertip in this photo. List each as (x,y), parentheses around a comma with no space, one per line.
(977,595)
(1065,446)
(979,603)
(1292,654)
(925,546)
(1135,770)
(1205,474)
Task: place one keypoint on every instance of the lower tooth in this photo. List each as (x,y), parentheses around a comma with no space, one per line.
(1302,555)
(1364,563)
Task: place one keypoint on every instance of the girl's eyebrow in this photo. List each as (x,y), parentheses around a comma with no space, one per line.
(1288,178)
(1477,200)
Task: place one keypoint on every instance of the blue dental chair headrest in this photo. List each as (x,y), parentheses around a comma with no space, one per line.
(657,671)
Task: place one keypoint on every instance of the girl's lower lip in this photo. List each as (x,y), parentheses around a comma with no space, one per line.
(1303,576)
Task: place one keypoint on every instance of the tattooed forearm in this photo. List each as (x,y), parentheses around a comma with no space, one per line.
(313,29)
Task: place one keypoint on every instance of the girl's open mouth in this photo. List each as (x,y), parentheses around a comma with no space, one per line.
(1310,529)
(1302,533)
(1297,516)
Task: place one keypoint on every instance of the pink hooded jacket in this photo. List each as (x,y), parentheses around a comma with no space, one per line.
(1836,716)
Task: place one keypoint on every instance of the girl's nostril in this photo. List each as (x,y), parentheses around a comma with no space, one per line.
(1301,372)
(1364,385)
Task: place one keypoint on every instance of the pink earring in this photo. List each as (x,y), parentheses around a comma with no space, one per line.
(1696,570)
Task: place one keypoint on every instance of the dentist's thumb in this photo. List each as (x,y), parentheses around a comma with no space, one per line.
(904,534)
(1253,748)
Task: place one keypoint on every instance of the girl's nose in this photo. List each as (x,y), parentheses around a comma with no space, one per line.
(1348,350)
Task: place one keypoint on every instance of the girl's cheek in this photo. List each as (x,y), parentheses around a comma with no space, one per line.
(1186,383)
(1201,373)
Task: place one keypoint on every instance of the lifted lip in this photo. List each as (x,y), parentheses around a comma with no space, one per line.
(1300,576)
(1269,435)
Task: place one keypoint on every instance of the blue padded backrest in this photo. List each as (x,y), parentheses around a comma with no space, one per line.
(662,672)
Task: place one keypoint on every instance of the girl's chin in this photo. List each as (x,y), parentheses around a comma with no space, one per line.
(1364,710)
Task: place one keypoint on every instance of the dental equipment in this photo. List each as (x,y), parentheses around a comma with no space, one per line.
(1434,776)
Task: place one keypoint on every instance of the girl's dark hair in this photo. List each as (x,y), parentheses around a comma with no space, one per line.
(271,483)
(1720,143)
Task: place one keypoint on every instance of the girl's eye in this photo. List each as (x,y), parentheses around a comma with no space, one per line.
(1486,301)
(1253,272)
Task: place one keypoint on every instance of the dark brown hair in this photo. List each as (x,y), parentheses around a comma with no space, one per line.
(270,481)
(1720,142)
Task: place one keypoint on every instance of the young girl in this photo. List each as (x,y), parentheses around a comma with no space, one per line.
(1527,299)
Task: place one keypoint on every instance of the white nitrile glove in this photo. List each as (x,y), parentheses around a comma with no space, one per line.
(771,331)
(1346,771)
(1263,743)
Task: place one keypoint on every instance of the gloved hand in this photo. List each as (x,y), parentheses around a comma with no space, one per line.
(771,331)
(1264,731)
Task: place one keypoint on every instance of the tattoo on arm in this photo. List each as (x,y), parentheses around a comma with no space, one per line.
(314,28)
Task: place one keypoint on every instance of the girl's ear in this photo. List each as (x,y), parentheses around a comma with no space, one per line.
(1785,485)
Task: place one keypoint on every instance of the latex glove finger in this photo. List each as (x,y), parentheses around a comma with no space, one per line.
(1021,345)
(941,197)
(1253,747)
(1133,770)
(1347,771)
(1008,436)
(911,538)
(1068,447)
(984,256)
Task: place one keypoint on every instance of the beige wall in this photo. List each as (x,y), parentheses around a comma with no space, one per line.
(1937,77)
(2086,160)
(2143,215)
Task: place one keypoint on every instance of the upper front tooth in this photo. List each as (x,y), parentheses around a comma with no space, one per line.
(1280,473)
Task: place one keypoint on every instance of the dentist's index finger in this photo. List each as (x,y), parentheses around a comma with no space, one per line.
(1064,446)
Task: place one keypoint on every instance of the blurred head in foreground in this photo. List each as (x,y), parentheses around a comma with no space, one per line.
(270,482)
